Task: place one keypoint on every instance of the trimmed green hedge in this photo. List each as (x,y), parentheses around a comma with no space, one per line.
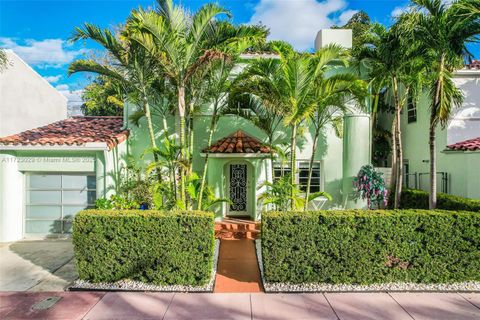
(418,199)
(365,247)
(164,248)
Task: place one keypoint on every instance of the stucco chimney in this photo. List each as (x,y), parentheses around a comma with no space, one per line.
(342,37)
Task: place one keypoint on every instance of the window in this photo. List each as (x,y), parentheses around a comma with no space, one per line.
(411,110)
(302,174)
(53,200)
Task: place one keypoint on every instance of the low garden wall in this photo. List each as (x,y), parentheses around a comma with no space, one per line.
(367,247)
(419,199)
(163,248)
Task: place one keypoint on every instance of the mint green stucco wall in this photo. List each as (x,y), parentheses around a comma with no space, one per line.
(330,153)
(463,168)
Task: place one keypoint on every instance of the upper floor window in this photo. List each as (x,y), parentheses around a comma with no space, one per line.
(302,174)
(411,110)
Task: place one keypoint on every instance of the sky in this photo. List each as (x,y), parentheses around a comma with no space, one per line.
(39,31)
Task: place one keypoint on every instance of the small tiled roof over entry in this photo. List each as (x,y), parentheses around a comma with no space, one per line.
(238,142)
(73,131)
(467,145)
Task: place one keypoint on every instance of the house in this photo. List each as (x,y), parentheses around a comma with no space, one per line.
(26,99)
(49,173)
(457,145)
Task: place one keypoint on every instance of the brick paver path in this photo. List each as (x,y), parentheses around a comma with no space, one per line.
(223,306)
(237,269)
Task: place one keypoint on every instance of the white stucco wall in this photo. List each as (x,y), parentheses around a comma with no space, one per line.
(465,122)
(27,100)
(342,37)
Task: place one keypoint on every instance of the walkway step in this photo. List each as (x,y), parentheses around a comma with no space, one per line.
(237,269)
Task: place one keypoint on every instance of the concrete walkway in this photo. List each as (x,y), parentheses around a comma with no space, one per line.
(222,306)
(44,265)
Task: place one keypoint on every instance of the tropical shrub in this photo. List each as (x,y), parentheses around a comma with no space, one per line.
(116,202)
(369,184)
(164,248)
(279,193)
(418,199)
(366,246)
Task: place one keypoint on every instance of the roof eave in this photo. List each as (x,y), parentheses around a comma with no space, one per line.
(235,155)
(89,146)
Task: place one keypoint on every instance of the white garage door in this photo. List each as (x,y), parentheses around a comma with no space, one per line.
(53,199)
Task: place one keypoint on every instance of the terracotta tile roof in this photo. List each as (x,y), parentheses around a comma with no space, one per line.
(467,145)
(475,64)
(73,131)
(238,142)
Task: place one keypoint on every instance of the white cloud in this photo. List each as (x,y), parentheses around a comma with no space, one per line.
(53,79)
(299,21)
(47,53)
(74,96)
(399,10)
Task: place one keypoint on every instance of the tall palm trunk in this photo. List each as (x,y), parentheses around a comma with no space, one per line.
(151,134)
(190,137)
(213,127)
(393,177)
(310,166)
(181,114)
(272,157)
(398,145)
(293,169)
(432,201)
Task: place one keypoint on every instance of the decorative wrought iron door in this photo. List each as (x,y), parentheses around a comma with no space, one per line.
(238,187)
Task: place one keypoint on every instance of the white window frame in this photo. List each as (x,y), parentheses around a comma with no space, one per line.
(306,163)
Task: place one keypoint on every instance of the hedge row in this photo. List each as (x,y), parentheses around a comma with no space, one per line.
(366,247)
(164,248)
(418,199)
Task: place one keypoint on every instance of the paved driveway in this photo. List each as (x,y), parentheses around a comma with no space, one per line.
(45,265)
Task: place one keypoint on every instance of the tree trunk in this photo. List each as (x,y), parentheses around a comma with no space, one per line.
(191,139)
(393,178)
(398,146)
(432,200)
(151,133)
(310,167)
(181,114)
(213,126)
(432,203)
(293,169)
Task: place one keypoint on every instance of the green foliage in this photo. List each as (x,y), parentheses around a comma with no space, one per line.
(164,248)
(102,97)
(365,246)
(279,193)
(116,203)
(418,199)
(381,146)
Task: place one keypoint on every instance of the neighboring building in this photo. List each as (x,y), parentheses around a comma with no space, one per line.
(26,99)
(458,145)
(50,173)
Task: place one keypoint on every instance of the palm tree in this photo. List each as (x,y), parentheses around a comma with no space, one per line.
(130,65)
(443,32)
(389,58)
(266,119)
(182,44)
(284,84)
(334,86)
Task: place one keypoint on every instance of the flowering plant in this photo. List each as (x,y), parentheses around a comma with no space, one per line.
(369,184)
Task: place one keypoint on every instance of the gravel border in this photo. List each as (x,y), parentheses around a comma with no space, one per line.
(131,285)
(469,286)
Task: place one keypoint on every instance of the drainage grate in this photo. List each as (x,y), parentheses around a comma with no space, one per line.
(46,303)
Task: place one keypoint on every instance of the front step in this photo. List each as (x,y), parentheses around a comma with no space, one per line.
(237,229)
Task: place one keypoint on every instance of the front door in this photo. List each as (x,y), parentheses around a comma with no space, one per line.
(238,190)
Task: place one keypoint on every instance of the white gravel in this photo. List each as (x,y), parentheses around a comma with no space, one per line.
(469,286)
(131,285)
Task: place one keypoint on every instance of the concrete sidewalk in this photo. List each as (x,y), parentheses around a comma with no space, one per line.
(129,305)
